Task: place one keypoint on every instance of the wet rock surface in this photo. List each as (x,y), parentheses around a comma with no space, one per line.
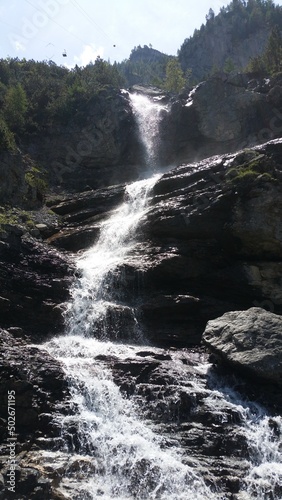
(35,281)
(209,243)
(213,233)
(172,389)
(81,215)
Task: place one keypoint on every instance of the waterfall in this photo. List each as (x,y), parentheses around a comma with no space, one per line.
(124,452)
(148,115)
(92,303)
(111,450)
(122,457)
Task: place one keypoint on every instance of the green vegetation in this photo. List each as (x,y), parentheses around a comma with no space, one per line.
(16,217)
(15,107)
(270,62)
(175,80)
(229,65)
(36,95)
(145,66)
(7,139)
(251,169)
(8,216)
(35,178)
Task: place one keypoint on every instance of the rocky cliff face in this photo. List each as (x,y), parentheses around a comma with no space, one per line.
(97,148)
(220,115)
(35,281)
(212,49)
(210,243)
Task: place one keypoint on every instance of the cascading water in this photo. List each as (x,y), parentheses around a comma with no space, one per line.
(116,454)
(262,432)
(93,304)
(148,115)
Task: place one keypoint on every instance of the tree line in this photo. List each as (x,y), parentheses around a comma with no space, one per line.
(36,95)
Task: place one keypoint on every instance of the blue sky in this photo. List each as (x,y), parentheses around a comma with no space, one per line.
(43,29)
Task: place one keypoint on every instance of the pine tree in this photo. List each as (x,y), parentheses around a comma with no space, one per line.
(15,106)
(175,80)
(273,52)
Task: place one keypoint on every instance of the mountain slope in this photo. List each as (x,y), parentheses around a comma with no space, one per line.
(229,40)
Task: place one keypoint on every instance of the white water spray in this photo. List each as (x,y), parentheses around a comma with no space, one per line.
(148,115)
(92,303)
(263,438)
(121,455)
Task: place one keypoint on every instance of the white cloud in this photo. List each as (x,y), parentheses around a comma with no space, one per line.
(89,53)
(17,42)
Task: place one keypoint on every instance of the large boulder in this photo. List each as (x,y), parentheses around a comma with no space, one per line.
(250,341)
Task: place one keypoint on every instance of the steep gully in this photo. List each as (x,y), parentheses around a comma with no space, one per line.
(146,422)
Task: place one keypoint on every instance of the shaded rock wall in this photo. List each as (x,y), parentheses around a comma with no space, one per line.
(221,115)
(101,145)
(213,48)
(96,148)
(35,283)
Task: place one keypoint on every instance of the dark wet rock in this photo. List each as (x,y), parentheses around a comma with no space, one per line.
(172,389)
(35,281)
(75,239)
(36,379)
(81,215)
(210,243)
(88,203)
(213,233)
(170,394)
(250,341)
